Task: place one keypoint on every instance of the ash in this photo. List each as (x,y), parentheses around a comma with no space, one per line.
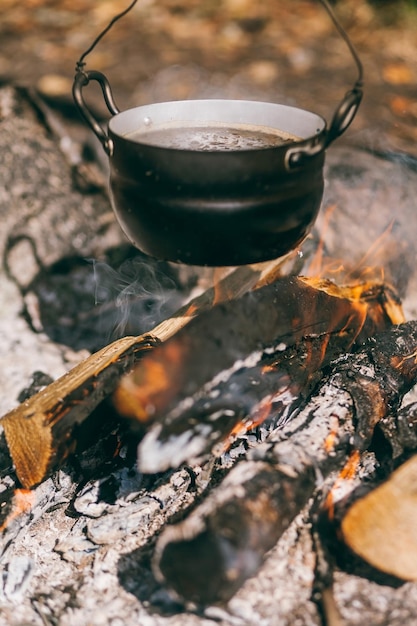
(81,549)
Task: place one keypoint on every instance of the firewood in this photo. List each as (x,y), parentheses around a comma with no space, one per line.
(109,582)
(40,431)
(380,527)
(399,432)
(377,521)
(233,367)
(209,555)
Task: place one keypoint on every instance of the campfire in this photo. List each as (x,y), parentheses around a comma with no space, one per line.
(265,392)
(167,465)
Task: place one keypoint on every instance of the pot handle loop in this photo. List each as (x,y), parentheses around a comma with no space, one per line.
(82,79)
(344,114)
(343,117)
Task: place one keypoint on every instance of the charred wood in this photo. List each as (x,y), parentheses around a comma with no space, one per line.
(239,364)
(399,432)
(41,431)
(81,585)
(241,520)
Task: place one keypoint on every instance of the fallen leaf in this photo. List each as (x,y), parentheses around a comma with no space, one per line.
(397,74)
(55,85)
(263,72)
(402,106)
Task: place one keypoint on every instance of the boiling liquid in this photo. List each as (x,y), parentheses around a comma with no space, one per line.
(212,138)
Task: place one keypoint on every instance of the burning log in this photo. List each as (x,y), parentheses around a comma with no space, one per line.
(236,365)
(208,556)
(40,432)
(400,432)
(53,583)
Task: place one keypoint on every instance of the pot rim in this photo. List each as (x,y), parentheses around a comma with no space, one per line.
(300,123)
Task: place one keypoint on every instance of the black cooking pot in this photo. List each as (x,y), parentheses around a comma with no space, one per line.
(215,182)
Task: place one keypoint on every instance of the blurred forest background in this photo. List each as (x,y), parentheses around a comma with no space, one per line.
(279,50)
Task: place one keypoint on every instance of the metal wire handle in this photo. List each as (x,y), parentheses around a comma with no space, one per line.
(359,81)
(345,37)
(348,107)
(83,77)
(81,63)
(345,112)
(294,157)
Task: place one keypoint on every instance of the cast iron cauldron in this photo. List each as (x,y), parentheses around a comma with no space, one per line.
(217,205)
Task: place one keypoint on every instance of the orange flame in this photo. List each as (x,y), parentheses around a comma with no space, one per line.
(347,474)
(146,388)
(376,251)
(192,310)
(370,267)
(400,363)
(23,501)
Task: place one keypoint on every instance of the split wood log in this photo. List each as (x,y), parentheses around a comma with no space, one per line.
(380,527)
(208,556)
(40,431)
(377,520)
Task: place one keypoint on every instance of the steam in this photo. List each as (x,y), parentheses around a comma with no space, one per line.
(372,229)
(190,81)
(135,297)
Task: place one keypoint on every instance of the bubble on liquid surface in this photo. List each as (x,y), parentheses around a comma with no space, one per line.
(213,137)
